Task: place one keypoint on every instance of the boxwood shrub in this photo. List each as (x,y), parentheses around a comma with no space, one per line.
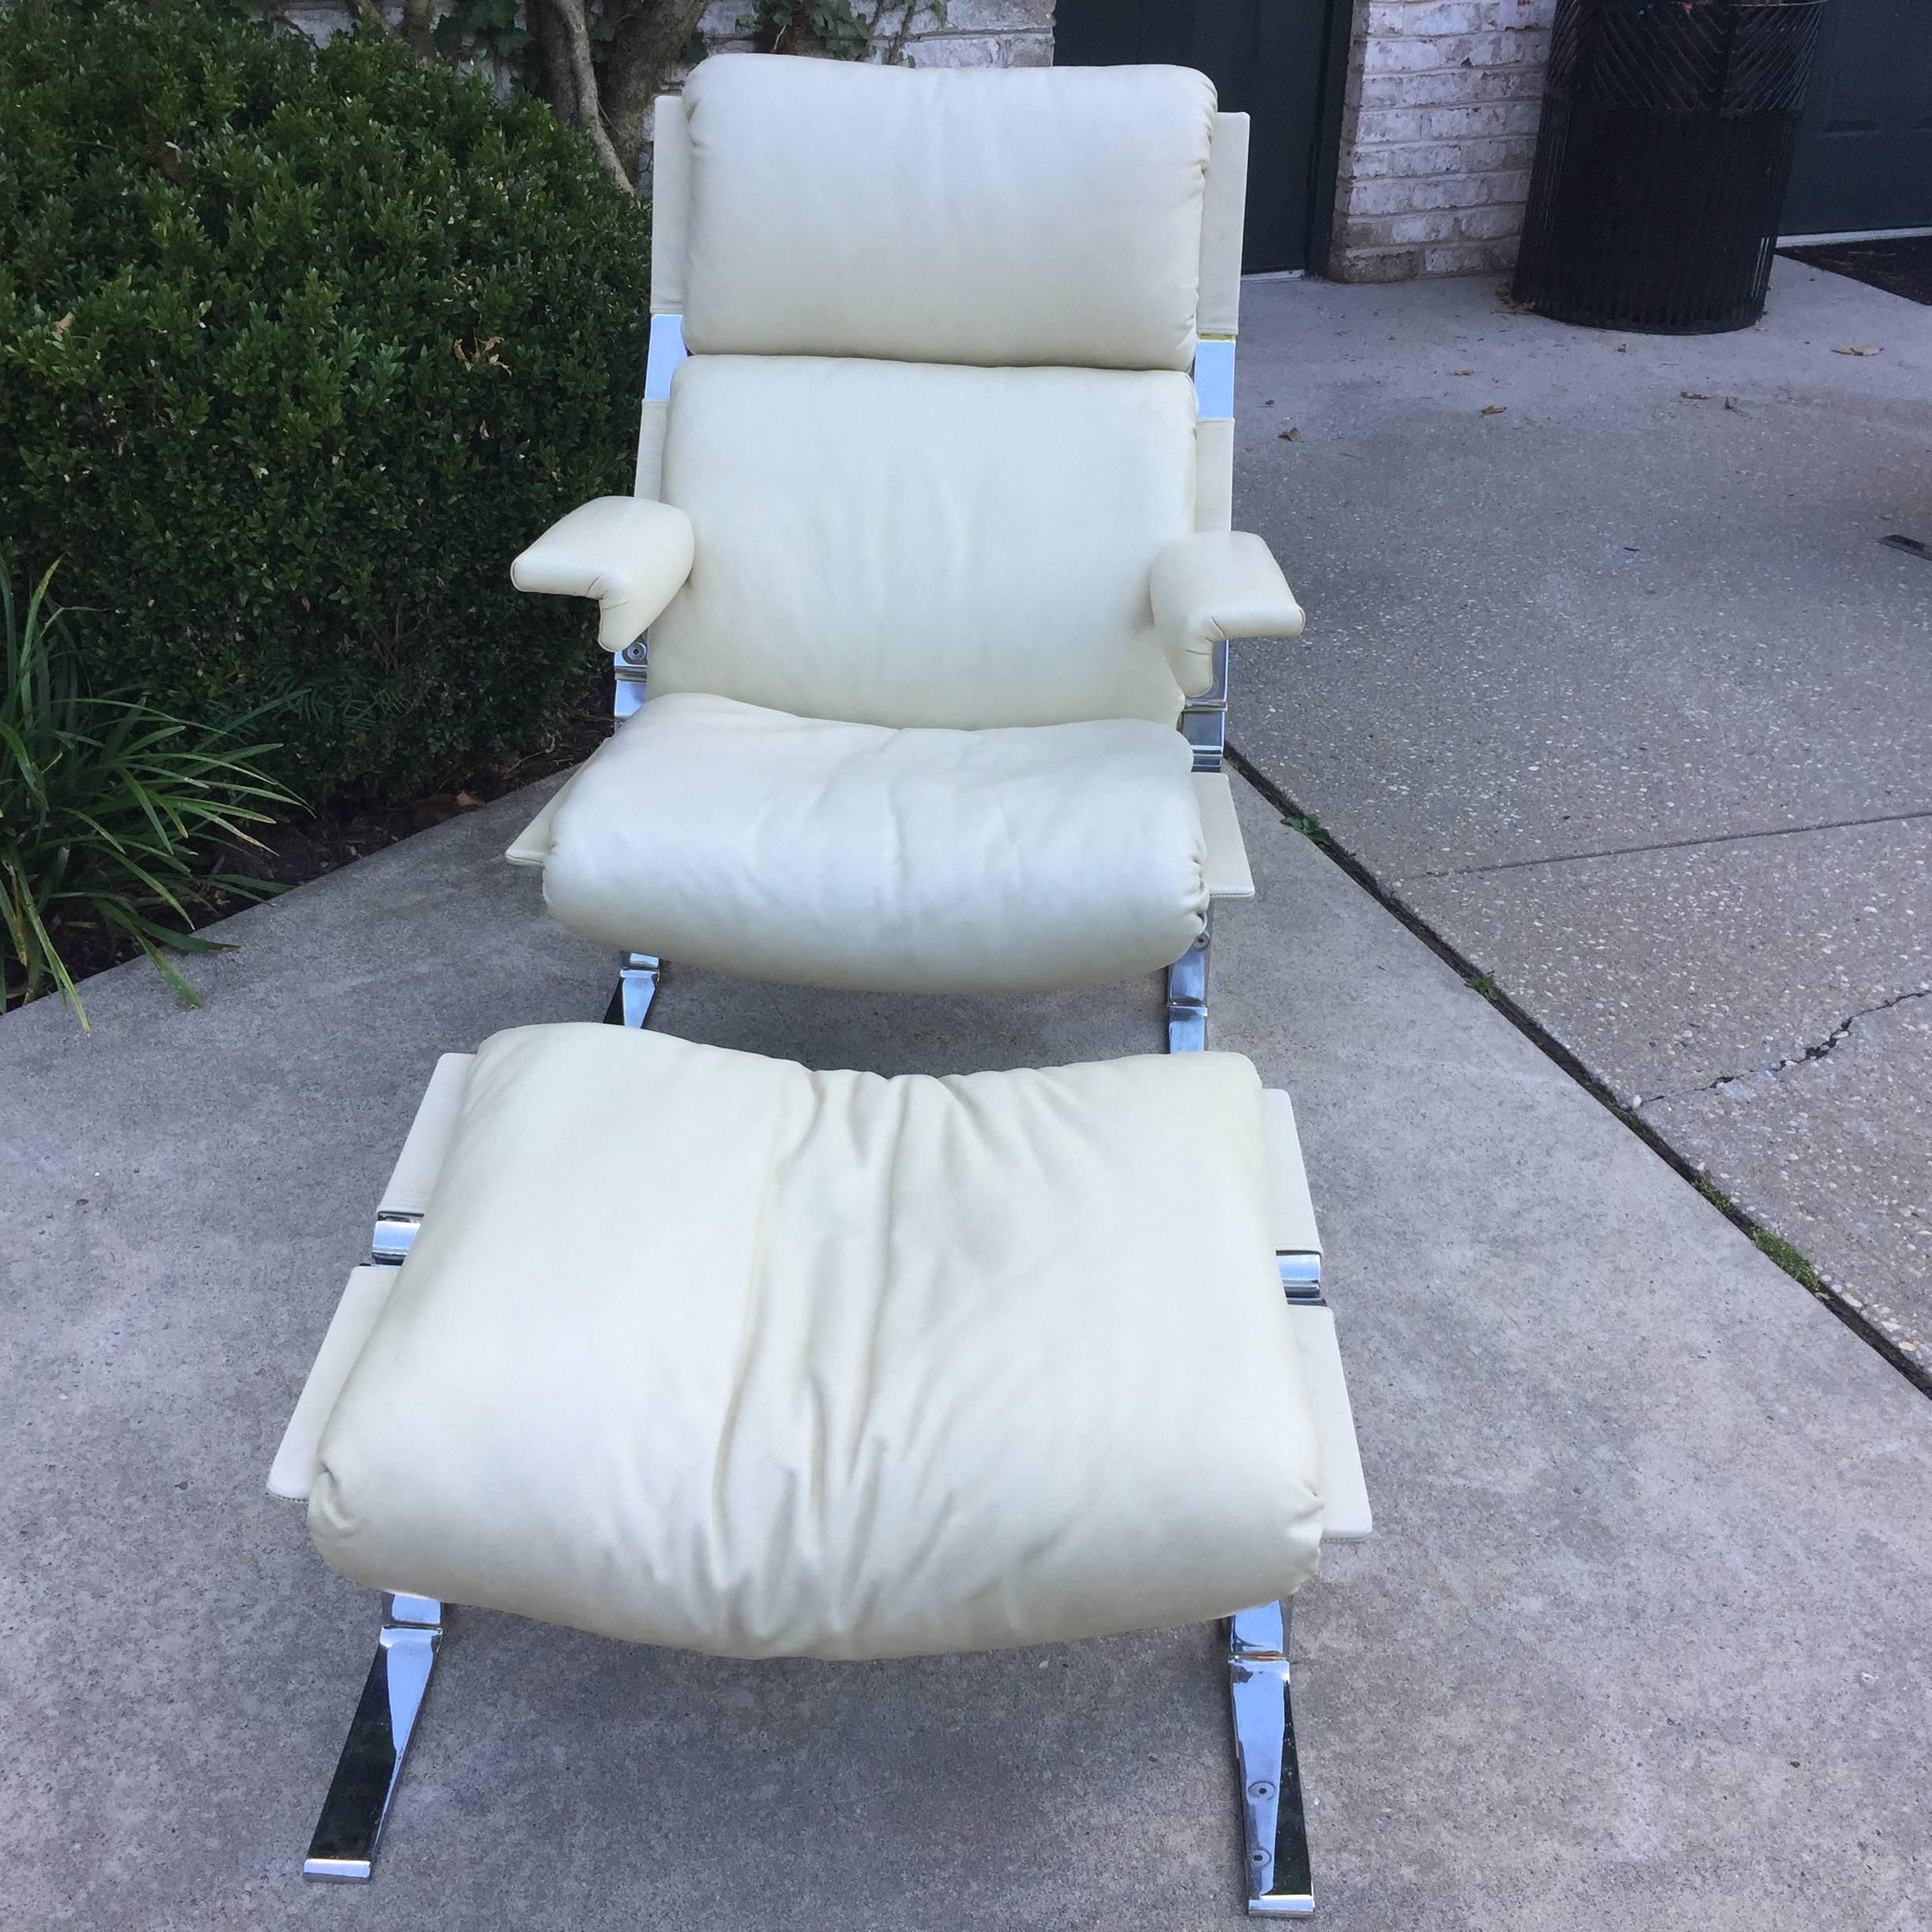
(298,347)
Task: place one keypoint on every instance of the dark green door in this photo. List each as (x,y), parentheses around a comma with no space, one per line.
(1865,150)
(1269,59)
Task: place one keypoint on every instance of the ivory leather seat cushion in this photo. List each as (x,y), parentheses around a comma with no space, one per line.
(722,835)
(701,1348)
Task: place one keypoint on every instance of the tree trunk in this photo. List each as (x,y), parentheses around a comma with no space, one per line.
(572,21)
(650,40)
(418,24)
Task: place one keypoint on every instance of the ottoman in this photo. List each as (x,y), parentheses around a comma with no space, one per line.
(688,1346)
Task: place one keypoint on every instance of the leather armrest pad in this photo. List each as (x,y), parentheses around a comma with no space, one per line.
(1212,585)
(1346,1517)
(630,554)
(413,1176)
(293,1471)
(1295,1231)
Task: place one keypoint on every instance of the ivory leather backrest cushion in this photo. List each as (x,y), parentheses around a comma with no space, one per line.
(982,215)
(921,544)
(937,419)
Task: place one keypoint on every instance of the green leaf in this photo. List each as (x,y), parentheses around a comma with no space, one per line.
(252,445)
(100,827)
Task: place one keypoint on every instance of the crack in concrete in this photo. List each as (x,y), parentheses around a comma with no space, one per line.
(1679,844)
(1816,1051)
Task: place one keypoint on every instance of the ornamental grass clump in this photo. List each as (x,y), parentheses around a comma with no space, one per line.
(110,811)
(299,347)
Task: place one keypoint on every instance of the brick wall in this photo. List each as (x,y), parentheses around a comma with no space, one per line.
(1439,121)
(974,33)
(1439,125)
(960,33)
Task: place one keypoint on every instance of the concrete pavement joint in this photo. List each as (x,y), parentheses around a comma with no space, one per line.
(1858,1315)
(1816,1051)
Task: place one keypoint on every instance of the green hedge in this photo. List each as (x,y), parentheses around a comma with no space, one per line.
(297,349)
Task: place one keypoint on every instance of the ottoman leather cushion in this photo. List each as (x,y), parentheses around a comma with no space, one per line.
(702,1349)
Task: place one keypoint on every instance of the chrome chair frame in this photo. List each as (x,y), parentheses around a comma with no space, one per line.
(350,1828)
(1202,720)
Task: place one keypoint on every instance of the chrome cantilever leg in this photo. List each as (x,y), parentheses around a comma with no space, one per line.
(366,1774)
(1187,994)
(1279,1882)
(637,972)
(637,987)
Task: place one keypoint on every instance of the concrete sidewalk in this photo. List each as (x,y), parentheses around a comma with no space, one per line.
(1639,1641)
(1617,688)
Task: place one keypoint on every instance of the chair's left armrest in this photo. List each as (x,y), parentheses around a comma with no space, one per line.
(632,555)
(1211,586)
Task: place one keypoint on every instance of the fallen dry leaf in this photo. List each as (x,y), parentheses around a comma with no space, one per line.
(1857,348)
(465,799)
(1462,372)
(1494,409)
(1730,402)
(1693,395)
(1291,436)
(1622,348)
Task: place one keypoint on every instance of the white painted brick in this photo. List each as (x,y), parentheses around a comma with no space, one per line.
(1437,17)
(981,17)
(1375,233)
(1510,152)
(1496,118)
(1457,258)
(1452,86)
(1020,32)
(1390,53)
(1375,264)
(1478,224)
(1441,101)
(1425,225)
(1381,162)
(1445,16)
(958,50)
(1389,127)
(953,50)
(1396,195)
(1403,54)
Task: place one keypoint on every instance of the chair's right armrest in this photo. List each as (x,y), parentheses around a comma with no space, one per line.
(630,554)
(1212,585)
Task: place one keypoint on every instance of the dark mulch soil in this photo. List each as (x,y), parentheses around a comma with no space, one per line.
(1901,267)
(304,848)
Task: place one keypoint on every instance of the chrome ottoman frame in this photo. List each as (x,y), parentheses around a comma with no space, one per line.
(349,1831)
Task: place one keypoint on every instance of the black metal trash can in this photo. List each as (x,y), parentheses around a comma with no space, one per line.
(1668,134)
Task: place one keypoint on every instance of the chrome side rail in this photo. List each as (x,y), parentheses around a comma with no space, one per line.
(1187,993)
(1300,1278)
(395,1234)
